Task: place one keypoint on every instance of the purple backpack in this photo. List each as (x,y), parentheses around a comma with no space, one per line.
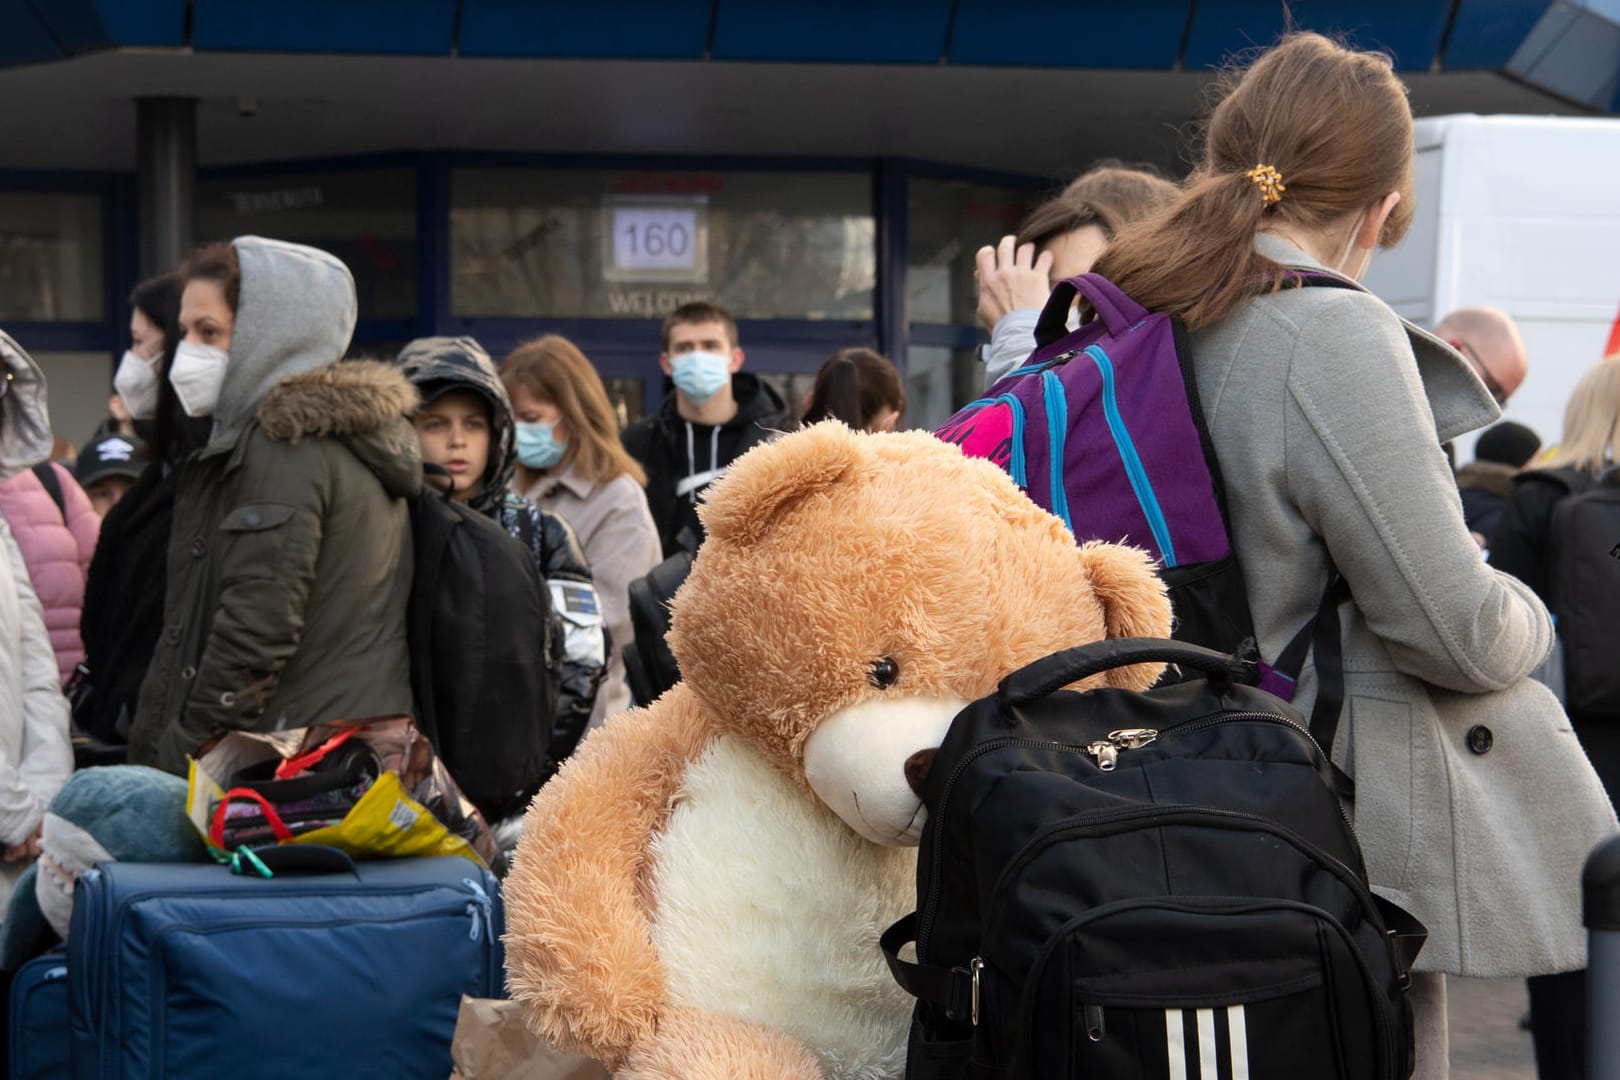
(1102,426)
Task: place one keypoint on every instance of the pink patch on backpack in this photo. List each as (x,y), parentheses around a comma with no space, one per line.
(984,433)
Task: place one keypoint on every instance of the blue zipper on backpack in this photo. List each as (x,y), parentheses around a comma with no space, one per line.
(1145,498)
(1057,432)
(1017,407)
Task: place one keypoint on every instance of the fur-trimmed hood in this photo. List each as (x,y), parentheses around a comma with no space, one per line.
(435,365)
(362,402)
(1488,476)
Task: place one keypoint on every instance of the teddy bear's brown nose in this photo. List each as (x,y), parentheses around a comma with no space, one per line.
(917,766)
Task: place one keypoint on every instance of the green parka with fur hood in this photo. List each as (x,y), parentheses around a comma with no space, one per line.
(290,558)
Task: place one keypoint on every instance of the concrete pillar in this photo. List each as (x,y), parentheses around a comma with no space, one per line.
(166,176)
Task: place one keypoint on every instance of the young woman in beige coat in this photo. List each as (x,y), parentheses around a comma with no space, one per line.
(1474,802)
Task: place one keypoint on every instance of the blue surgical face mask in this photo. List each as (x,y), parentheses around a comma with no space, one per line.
(537,448)
(701,375)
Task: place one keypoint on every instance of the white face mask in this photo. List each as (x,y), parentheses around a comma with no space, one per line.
(197,374)
(137,383)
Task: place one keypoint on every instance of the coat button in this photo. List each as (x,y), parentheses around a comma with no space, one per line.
(199,547)
(1480,739)
(188,673)
(252,519)
(227,699)
(174,635)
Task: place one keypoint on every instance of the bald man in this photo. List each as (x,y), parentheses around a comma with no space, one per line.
(1492,344)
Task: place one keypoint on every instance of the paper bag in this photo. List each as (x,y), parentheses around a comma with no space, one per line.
(492,1043)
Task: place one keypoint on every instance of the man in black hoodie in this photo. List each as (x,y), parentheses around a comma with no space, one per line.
(714,416)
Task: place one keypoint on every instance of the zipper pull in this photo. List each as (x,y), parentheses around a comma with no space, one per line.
(1106,753)
(1132,738)
(1093,1018)
(479,908)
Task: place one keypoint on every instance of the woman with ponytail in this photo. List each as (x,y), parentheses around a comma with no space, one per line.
(1474,803)
(859,387)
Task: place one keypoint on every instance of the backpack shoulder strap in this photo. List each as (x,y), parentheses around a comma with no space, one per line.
(53,486)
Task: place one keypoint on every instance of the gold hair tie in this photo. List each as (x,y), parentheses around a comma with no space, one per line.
(1269,181)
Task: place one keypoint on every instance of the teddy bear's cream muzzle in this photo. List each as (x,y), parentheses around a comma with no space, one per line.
(856,763)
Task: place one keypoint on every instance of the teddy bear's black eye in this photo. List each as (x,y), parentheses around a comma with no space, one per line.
(884,673)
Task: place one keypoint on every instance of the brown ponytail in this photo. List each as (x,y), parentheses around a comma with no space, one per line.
(1334,122)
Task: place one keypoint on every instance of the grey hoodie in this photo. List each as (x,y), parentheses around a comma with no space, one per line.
(295,313)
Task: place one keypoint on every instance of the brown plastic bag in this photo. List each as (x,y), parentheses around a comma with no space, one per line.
(492,1043)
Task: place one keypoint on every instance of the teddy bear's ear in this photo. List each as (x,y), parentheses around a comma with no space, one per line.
(1133,601)
(768,479)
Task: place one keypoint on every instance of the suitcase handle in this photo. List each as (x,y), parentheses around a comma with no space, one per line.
(1051,674)
(305,859)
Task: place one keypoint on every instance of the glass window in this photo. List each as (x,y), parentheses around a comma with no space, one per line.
(628,398)
(80,387)
(367,218)
(949,220)
(938,382)
(50,257)
(608,243)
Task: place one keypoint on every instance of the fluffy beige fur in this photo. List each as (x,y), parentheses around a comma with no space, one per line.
(827,551)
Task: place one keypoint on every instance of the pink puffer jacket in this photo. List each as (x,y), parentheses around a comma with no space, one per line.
(57,553)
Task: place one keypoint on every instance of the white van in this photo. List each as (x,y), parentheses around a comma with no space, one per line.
(1520,213)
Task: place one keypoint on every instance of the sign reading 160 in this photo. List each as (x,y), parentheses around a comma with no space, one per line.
(657,239)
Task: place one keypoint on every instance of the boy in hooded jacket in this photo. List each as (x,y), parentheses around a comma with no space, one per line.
(468,442)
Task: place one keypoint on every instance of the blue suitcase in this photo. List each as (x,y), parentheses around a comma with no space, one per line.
(38,1020)
(184,971)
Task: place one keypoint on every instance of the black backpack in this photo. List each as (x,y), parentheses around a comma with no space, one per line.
(1584,583)
(480,642)
(1146,885)
(649,666)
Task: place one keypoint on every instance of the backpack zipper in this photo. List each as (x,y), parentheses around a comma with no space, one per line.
(1135,471)
(1056,408)
(1136,738)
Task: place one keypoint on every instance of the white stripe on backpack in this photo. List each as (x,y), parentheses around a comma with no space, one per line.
(1177,1044)
(1175,1037)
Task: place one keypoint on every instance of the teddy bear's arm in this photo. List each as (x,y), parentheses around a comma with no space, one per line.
(579,948)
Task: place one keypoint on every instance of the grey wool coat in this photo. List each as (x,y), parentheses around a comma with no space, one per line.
(1327,414)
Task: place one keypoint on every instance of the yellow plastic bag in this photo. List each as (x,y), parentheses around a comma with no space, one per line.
(384,823)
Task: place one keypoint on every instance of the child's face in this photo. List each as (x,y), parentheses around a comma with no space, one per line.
(454,433)
(105,493)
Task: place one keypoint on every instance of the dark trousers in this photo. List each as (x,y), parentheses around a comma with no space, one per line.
(1558,1024)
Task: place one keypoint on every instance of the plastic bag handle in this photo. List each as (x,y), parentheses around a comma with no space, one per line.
(216,830)
(1118,312)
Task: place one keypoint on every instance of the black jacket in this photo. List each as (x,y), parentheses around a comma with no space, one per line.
(122,617)
(660,443)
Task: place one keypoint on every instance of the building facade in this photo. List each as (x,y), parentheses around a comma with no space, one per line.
(501,168)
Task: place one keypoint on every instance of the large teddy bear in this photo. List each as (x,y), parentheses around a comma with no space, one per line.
(699,892)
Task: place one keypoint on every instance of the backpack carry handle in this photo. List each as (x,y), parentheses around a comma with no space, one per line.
(1118,312)
(1047,676)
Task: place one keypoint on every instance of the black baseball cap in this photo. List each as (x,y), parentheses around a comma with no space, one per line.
(110,455)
